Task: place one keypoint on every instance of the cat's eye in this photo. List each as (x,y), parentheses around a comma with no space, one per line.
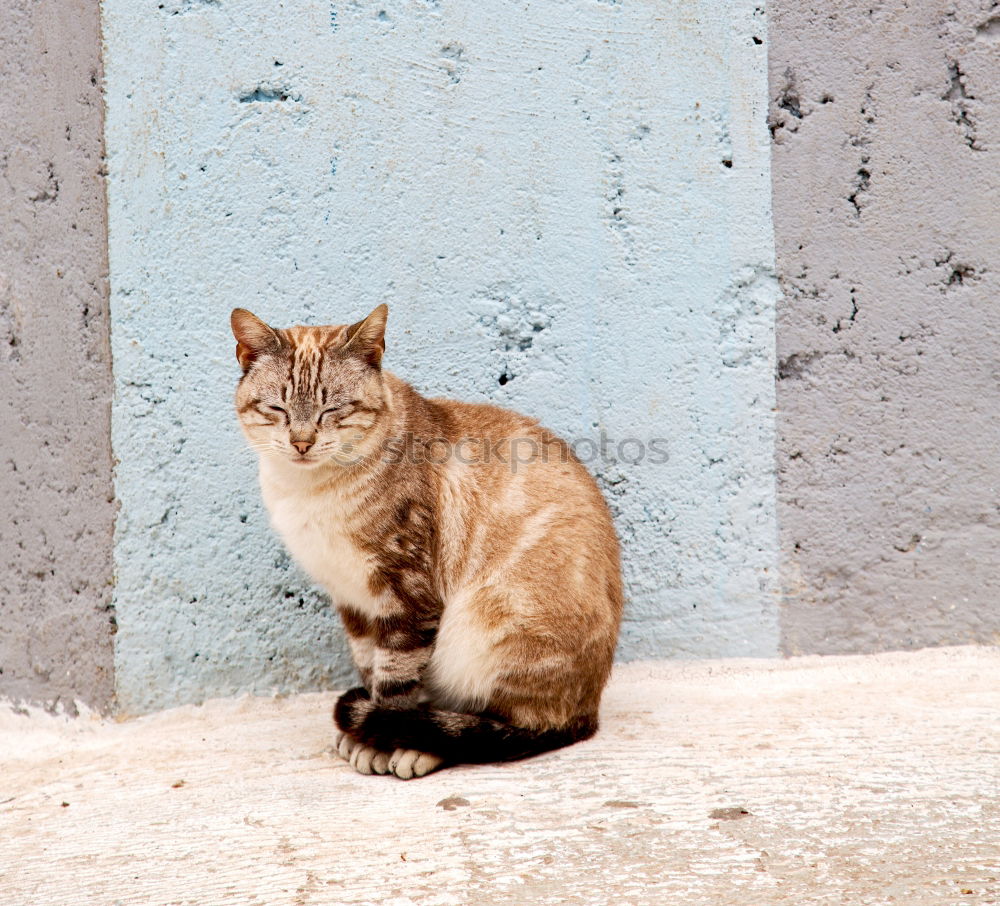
(279,410)
(341,411)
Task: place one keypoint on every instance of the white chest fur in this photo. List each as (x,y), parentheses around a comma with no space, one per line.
(313,525)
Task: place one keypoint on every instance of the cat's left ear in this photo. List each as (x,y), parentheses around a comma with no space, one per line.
(367,337)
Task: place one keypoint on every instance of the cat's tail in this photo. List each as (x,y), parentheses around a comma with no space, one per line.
(456,738)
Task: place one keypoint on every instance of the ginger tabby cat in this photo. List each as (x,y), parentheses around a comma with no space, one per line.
(481,593)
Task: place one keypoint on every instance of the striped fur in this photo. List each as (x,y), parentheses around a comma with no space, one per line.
(481,599)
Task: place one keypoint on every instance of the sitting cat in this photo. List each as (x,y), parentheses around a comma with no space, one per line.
(470,555)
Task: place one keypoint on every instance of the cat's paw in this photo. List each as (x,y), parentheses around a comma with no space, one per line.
(364,759)
(409,763)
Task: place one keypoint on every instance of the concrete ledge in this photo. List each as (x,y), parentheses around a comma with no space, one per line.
(813,780)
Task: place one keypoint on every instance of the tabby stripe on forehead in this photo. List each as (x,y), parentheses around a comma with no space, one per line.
(308,378)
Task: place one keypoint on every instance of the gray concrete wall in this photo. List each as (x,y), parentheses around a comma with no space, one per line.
(56,495)
(885,169)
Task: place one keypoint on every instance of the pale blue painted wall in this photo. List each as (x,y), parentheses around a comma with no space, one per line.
(486,168)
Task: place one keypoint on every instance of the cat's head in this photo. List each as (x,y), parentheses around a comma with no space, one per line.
(310,396)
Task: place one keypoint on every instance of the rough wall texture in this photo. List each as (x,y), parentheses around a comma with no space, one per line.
(56,497)
(560,218)
(887,213)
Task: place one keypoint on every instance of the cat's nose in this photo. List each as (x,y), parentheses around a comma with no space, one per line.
(302,446)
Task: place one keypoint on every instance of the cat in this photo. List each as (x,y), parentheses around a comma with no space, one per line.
(471,556)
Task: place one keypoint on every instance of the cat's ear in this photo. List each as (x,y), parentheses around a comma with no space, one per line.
(367,337)
(253,337)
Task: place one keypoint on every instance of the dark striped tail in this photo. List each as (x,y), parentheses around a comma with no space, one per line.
(457,738)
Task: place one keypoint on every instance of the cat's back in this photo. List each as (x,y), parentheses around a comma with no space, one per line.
(505,449)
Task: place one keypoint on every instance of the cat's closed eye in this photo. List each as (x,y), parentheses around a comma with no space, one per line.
(273,414)
(335,413)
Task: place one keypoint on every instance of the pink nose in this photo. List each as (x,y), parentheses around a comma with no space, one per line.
(302,446)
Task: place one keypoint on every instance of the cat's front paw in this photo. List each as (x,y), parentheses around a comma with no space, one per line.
(403,763)
(364,759)
(409,763)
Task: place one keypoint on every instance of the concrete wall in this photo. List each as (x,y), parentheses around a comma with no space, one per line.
(567,206)
(56,498)
(560,219)
(886,215)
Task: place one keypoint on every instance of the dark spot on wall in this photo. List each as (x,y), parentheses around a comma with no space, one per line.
(180,7)
(505,379)
(908,546)
(50,190)
(849,320)
(956,273)
(787,106)
(265,94)
(797,365)
(456,63)
(757,40)
(960,273)
(962,100)
(794,366)
(788,99)
(861,183)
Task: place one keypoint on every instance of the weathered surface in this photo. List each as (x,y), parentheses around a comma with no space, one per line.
(886,201)
(57,504)
(865,780)
(560,218)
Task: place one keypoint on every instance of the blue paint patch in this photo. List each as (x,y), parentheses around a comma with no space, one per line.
(628,299)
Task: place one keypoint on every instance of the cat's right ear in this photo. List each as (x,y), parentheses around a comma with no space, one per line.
(253,337)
